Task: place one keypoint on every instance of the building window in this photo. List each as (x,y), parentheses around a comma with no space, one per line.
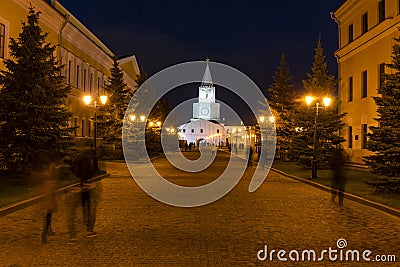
(364,23)
(184,130)
(351,33)
(201,130)
(98,85)
(381,11)
(350,89)
(192,130)
(381,78)
(350,137)
(2,40)
(217,130)
(69,71)
(364,84)
(364,136)
(89,124)
(75,125)
(83,128)
(84,80)
(91,83)
(77,76)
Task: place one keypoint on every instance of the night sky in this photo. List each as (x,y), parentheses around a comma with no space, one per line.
(247,35)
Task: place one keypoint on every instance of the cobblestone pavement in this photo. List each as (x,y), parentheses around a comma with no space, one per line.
(136,230)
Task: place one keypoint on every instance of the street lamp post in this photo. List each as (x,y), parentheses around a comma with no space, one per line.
(309,100)
(263,123)
(156,132)
(88,101)
(136,119)
(170,141)
(236,135)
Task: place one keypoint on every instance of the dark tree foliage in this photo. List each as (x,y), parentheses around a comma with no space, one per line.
(384,139)
(32,100)
(282,104)
(159,113)
(141,78)
(153,134)
(319,83)
(111,122)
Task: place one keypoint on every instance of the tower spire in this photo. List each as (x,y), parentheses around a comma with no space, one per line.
(207,80)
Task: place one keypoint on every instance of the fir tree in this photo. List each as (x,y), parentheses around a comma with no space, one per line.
(141,78)
(114,111)
(158,114)
(319,83)
(32,99)
(281,102)
(133,132)
(384,139)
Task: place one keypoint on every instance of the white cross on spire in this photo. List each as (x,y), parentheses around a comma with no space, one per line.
(207,80)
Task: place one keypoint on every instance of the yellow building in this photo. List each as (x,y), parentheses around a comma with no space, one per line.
(366,32)
(86,59)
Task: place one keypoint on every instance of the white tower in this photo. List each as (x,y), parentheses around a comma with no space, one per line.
(206,108)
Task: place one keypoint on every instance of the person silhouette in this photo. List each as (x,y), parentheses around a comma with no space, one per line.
(338,178)
(84,171)
(49,186)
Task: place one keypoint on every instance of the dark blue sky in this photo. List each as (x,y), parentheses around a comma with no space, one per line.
(248,35)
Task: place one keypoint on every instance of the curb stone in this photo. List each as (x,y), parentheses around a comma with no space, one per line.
(33,200)
(375,205)
(138,161)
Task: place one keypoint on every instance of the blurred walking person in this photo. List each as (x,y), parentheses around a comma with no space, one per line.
(95,198)
(338,179)
(49,186)
(84,171)
(73,200)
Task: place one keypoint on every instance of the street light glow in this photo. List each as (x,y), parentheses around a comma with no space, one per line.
(132,117)
(151,124)
(158,123)
(142,118)
(103,99)
(309,100)
(271,119)
(262,119)
(327,101)
(87,99)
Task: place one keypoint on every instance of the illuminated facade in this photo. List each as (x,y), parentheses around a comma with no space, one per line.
(87,61)
(366,31)
(204,126)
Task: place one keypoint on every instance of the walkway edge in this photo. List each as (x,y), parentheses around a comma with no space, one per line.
(378,206)
(33,200)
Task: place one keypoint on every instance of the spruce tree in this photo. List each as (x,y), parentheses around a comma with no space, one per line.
(384,139)
(32,99)
(133,125)
(141,77)
(118,100)
(319,83)
(282,96)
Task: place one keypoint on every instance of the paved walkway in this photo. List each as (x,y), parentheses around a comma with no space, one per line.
(136,230)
